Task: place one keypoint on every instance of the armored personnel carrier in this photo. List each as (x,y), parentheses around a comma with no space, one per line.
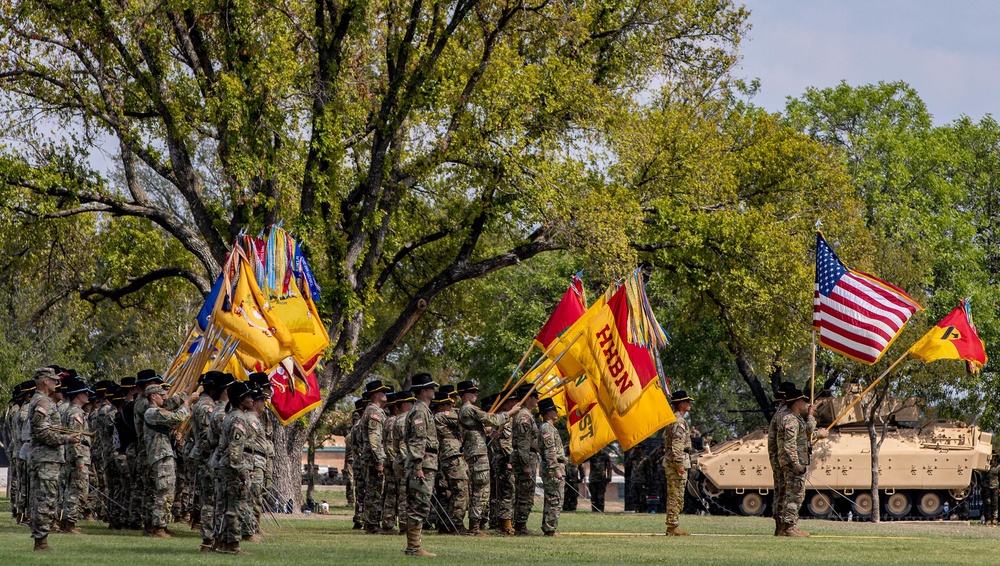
(925,467)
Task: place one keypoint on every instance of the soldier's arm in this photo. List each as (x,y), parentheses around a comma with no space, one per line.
(523,446)
(489,419)
(163,416)
(374,438)
(789,435)
(238,437)
(41,431)
(416,442)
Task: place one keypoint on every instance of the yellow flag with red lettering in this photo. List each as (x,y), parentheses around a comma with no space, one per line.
(589,429)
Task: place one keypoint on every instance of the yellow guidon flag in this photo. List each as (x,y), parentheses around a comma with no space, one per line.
(954,338)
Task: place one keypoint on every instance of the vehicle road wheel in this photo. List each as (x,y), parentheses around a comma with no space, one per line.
(863,505)
(819,505)
(898,505)
(752,504)
(960,494)
(930,504)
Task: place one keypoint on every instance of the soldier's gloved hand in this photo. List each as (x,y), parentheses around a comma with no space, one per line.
(74,439)
(800,469)
(680,470)
(419,474)
(823,433)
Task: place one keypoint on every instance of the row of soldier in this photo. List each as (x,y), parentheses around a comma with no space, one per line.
(127,452)
(417,460)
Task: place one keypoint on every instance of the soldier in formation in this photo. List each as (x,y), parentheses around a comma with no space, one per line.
(598,478)
(794,443)
(373,454)
(553,462)
(990,492)
(571,493)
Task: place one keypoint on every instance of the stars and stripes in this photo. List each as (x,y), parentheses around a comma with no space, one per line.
(856,314)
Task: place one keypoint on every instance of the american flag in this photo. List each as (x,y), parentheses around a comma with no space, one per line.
(856,314)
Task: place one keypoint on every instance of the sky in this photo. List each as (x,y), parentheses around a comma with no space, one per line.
(949,51)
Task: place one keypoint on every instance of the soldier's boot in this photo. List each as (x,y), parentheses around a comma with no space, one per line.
(460,529)
(506,527)
(474,529)
(778,525)
(207,545)
(69,527)
(677,532)
(551,534)
(371,529)
(159,532)
(252,538)
(413,547)
(387,530)
(42,544)
(442,528)
(792,530)
(234,548)
(521,530)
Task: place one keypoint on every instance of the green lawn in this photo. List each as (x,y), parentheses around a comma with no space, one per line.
(589,538)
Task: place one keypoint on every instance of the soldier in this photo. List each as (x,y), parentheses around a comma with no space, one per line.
(76,475)
(553,462)
(453,467)
(373,453)
(474,422)
(598,478)
(503,469)
(677,461)
(141,475)
(571,492)
(10,446)
(390,492)
(24,487)
(235,466)
(524,459)
(772,454)
(990,492)
(201,450)
(216,460)
(158,436)
(101,423)
(18,465)
(46,455)
(421,442)
(128,446)
(359,464)
(256,446)
(116,472)
(404,402)
(262,382)
(349,457)
(793,456)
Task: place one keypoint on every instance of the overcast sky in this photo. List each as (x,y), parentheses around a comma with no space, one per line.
(949,51)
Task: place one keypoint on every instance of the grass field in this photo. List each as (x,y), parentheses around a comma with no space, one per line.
(589,538)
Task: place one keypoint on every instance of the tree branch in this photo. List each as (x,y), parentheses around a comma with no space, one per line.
(97,293)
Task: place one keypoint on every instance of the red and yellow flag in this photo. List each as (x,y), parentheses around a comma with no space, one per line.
(570,308)
(589,429)
(954,338)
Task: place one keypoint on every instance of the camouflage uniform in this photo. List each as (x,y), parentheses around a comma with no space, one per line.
(217,463)
(793,451)
(676,453)
(142,476)
(598,478)
(454,470)
(76,471)
(420,438)
(474,445)
(125,429)
(390,494)
(524,460)
(553,463)
(102,454)
(502,475)
(45,459)
(772,454)
(373,455)
(24,487)
(12,423)
(201,449)
(399,467)
(257,449)
(234,467)
(160,461)
(571,490)
(348,471)
(990,492)
(359,467)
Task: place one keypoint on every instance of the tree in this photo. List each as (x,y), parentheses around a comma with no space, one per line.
(410,146)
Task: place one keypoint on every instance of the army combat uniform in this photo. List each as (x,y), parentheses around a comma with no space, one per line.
(474,445)
(553,463)
(598,478)
(45,460)
(524,460)
(390,491)
(373,455)
(793,452)
(420,438)
(161,462)
(76,474)
(676,454)
(776,469)
(453,470)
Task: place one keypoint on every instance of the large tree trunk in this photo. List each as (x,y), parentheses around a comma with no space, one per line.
(288,442)
(875,442)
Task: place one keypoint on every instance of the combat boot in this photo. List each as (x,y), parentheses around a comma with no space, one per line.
(159,532)
(792,530)
(235,549)
(551,534)
(206,545)
(677,532)
(443,529)
(474,529)
(69,527)
(252,538)
(460,529)
(778,527)
(42,543)
(521,530)
(413,547)
(506,527)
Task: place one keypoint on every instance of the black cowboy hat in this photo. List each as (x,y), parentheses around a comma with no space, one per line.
(680,395)
(467,386)
(421,381)
(546,405)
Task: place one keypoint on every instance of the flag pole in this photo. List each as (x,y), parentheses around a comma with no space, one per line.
(546,370)
(865,392)
(812,379)
(519,364)
(534,366)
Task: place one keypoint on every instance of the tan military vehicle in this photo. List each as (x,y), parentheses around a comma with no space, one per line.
(925,467)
